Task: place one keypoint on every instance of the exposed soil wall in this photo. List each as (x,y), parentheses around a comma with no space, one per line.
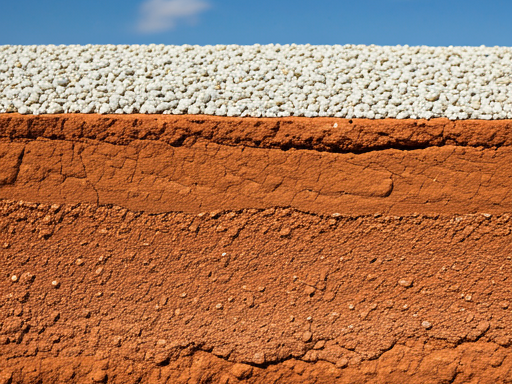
(127,255)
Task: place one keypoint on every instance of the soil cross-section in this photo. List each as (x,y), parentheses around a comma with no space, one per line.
(199,249)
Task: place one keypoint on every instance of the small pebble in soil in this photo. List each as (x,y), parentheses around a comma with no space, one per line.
(219,306)
(183,295)
(55,284)
(116,341)
(406,283)
(468,297)
(259,358)
(285,232)
(162,301)
(14,278)
(351,307)
(79,262)
(309,290)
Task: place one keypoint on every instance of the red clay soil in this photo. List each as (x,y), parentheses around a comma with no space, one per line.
(195,249)
(195,163)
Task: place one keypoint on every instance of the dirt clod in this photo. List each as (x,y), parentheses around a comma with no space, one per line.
(258,358)
(309,290)
(406,283)
(241,371)
(426,324)
(27,278)
(99,376)
(306,336)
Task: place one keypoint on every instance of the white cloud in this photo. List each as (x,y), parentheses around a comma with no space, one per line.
(162,15)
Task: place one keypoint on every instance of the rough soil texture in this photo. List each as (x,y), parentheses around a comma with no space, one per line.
(193,249)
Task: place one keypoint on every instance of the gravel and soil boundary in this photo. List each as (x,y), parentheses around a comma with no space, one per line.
(255,214)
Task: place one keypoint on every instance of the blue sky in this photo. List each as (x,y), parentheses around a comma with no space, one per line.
(380,22)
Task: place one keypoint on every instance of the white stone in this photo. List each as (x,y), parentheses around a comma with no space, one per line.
(105,108)
(62,81)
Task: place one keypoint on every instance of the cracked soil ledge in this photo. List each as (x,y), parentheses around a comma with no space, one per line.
(194,249)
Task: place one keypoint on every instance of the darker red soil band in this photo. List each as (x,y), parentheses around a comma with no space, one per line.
(318,134)
(199,249)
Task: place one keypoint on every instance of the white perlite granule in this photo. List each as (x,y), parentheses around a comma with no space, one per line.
(351,81)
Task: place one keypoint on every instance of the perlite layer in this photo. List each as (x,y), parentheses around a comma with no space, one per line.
(260,81)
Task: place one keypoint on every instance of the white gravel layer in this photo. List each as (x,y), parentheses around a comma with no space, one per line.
(351,81)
